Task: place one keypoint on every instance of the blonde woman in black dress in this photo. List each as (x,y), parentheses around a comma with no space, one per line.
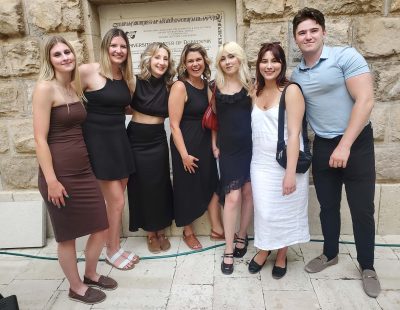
(149,188)
(233,147)
(108,88)
(66,181)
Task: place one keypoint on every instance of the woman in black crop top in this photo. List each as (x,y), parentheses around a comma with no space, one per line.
(149,188)
(108,86)
(194,167)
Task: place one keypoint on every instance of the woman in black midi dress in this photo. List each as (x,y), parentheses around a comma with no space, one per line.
(108,86)
(194,167)
(149,187)
(234,147)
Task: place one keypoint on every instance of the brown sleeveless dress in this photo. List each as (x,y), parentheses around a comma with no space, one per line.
(85,210)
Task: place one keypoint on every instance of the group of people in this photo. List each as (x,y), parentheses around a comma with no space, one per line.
(87,156)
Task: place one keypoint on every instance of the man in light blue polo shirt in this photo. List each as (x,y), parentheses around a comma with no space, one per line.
(338,92)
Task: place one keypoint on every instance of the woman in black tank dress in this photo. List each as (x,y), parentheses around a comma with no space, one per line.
(149,187)
(66,181)
(234,147)
(108,86)
(194,167)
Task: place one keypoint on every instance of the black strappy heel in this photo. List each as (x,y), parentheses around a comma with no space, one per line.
(239,253)
(226,268)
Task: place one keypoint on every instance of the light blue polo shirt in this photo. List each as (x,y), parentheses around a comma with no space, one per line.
(328,102)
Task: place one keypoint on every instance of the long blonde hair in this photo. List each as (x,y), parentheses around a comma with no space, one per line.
(47,73)
(145,63)
(105,63)
(244,72)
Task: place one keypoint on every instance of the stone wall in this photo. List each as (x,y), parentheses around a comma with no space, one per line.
(371,26)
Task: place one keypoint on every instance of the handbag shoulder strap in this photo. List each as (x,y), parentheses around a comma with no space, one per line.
(281,122)
(213,85)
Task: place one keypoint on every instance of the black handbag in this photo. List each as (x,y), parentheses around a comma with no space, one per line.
(8,303)
(305,157)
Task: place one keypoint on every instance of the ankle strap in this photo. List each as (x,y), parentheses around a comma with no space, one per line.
(228,255)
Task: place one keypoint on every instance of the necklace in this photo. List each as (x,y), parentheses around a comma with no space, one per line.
(67,92)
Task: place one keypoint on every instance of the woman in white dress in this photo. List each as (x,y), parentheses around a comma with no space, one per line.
(280,195)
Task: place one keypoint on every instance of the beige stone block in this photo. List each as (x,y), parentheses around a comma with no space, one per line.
(347,7)
(187,296)
(389,216)
(337,294)
(389,273)
(23,224)
(395,7)
(22,136)
(11,18)
(71,17)
(389,299)
(8,99)
(4,141)
(375,43)
(9,269)
(255,9)
(6,196)
(22,57)
(43,17)
(32,294)
(19,172)
(259,33)
(299,300)
(387,80)
(42,270)
(194,269)
(394,123)
(381,252)
(26,196)
(387,162)
(379,118)
(230,291)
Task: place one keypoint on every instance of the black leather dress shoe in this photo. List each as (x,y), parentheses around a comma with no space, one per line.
(279,272)
(254,267)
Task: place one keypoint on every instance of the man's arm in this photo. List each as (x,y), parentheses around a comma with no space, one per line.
(360,88)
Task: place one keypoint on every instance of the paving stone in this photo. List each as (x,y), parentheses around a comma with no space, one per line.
(380,251)
(389,273)
(290,300)
(393,239)
(32,294)
(389,300)
(9,269)
(339,294)
(42,270)
(231,291)
(25,251)
(190,297)
(296,279)
(194,269)
(313,249)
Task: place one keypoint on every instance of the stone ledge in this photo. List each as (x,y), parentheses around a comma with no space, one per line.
(23,223)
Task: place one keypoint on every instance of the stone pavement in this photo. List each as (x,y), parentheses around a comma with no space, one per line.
(196,282)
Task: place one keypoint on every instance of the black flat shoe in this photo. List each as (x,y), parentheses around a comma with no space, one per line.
(239,253)
(279,272)
(254,267)
(226,268)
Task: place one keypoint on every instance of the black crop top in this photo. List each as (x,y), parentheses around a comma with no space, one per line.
(111,99)
(151,97)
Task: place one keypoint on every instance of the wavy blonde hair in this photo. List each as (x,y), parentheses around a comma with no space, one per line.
(105,63)
(145,63)
(194,47)
(46,72)
(244,73)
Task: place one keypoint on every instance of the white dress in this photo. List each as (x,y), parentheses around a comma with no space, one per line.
(279,220)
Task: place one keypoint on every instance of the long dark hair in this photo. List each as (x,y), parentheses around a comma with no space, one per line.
(276,49)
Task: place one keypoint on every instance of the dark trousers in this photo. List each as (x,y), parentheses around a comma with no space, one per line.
(359,180)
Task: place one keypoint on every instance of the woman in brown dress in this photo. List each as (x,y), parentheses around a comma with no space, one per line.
(66,180)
